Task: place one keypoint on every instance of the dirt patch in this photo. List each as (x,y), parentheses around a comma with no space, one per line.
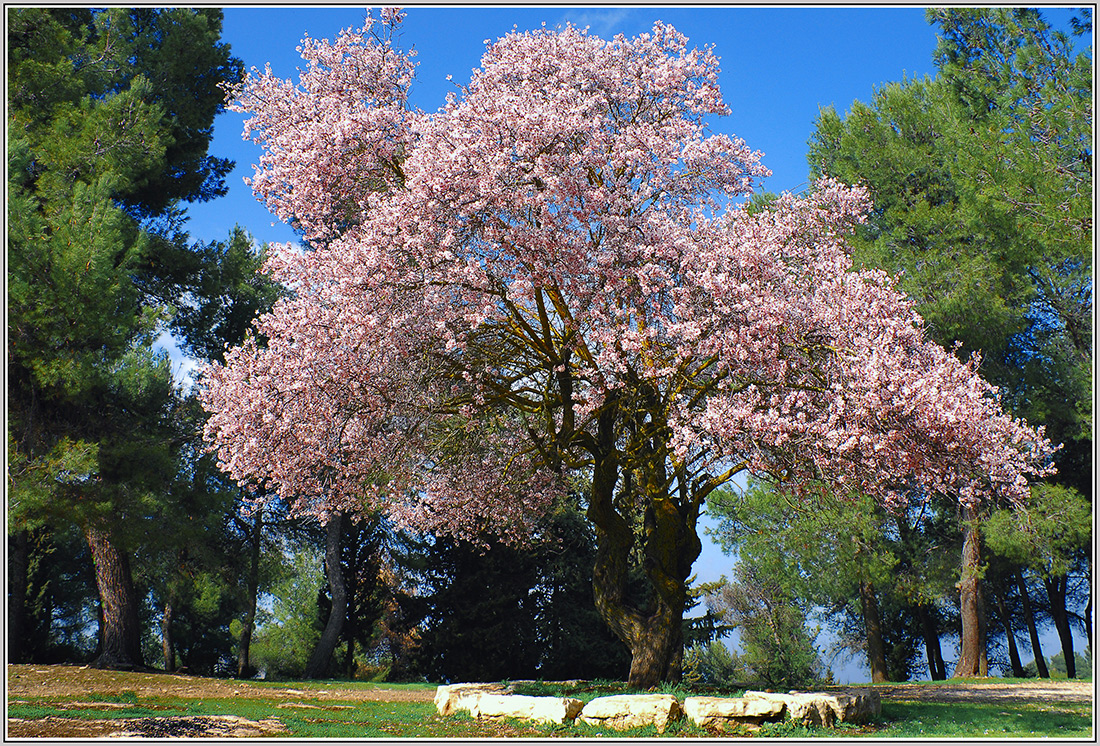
(80,681)
(1037,691)
(198,726)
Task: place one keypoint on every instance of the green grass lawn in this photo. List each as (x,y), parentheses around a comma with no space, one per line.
(333,717)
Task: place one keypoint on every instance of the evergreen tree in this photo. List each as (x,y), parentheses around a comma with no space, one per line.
(109,119)
(981,180)
(493,612)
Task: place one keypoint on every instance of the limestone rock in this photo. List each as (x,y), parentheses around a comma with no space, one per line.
(725,711)
(825,708)
(452,698)
(539,709)
(623,711)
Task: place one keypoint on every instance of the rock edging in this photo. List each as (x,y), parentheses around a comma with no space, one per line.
(623,711)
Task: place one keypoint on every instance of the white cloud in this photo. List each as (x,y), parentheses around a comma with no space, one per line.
(604,23)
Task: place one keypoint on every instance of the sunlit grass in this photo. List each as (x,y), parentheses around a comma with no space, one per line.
(310,715)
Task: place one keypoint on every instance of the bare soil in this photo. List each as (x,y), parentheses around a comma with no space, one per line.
(77,687)
(1036,690)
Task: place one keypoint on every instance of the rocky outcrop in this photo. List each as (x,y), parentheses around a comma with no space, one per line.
(623,711)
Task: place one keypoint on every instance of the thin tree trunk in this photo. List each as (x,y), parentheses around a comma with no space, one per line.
(322,654)
(18,562)
(1013,652)
(243,652)
(1056,592)
(936,669)
(119,632)
(1032,630)
(1088,606)
(872,624)
(972,654)
(167,647)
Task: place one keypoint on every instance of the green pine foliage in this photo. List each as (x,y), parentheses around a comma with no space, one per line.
(981,179)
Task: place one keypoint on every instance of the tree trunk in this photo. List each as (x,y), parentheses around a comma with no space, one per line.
(166,644)
(872,624)
(119,629)
(1013,653)
(972,654)
(322,654)
(1032,630)
(1088,606)
(655,635)
(18,562)
(1056,592)
(243,652)
(936,669)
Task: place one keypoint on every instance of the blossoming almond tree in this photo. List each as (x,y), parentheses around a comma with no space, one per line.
(549,277)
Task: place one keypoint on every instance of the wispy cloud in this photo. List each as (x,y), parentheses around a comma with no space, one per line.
(602,22)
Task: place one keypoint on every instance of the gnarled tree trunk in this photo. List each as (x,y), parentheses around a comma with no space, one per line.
(166,644)
(1056,593)
(18,561)
(671,545)
(936,669)
(322,654)
(973,659)
(119,630)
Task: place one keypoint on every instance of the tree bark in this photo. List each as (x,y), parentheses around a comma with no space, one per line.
(243,652)
(1013,652)
(321,659)
(1032,630)
(973,660)
(671,545)
(18,562)
(1088,606)
(167,647)
(936,669)
(872,624)
(1056,592)
(120,631)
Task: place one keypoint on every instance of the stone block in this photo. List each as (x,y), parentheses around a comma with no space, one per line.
(538,709)
(452,698)
(725,711)
(623,711)
(825,708)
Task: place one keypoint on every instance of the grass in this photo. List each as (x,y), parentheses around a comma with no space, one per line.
(962,720)
(333,717)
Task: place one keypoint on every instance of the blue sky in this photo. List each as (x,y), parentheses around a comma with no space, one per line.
(780,66)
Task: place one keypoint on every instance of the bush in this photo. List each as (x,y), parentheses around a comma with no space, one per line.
(712,664)
(778,649)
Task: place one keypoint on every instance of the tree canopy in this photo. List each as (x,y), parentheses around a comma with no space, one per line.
(550,275)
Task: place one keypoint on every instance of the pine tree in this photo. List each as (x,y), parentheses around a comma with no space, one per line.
(109,117)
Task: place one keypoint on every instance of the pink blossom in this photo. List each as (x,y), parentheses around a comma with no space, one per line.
(485,282)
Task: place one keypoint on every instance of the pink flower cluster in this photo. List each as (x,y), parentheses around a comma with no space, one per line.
(481,279)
